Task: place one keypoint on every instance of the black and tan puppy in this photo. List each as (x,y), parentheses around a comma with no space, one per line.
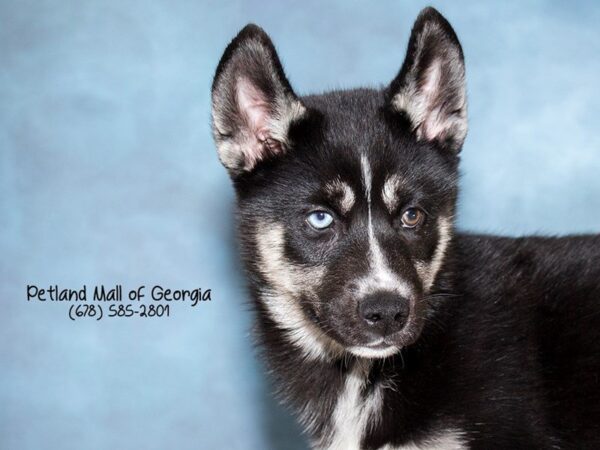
(383,326)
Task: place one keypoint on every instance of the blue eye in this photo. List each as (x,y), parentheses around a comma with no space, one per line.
(320,220)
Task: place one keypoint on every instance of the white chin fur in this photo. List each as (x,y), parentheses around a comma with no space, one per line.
(372,353)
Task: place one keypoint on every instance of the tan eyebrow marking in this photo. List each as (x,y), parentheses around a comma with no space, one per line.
(389,193)
(342,193)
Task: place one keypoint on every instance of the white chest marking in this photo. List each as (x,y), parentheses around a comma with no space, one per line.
(354,413)
(451,439)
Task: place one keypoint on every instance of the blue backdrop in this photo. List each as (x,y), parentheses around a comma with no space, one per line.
(108,174)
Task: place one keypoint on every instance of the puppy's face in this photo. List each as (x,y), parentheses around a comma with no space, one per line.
(346,199)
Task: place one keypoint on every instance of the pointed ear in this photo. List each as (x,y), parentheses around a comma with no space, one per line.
(430,88)
(253,104)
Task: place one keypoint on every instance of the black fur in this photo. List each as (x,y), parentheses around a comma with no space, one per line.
(506,343)
(512,354)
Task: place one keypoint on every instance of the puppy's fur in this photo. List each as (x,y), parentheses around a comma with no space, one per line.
(384,327)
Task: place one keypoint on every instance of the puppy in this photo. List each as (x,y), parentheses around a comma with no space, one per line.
(383,326)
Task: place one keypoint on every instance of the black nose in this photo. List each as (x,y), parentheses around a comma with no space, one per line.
(384,312)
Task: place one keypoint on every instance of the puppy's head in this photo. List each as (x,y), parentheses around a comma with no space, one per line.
(346,199)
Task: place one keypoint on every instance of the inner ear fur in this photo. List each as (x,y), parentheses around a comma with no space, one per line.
(253,104)
(430,87)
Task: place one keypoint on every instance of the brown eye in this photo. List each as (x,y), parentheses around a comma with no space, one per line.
(412,217)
